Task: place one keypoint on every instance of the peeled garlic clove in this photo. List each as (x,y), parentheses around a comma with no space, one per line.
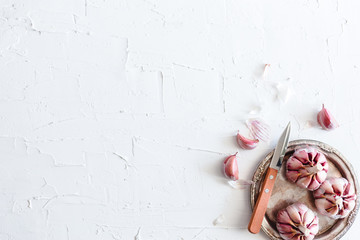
(246,143)
(326,120)
(297,221)
(307,167)
(231,169)
(335,198)
(259,129)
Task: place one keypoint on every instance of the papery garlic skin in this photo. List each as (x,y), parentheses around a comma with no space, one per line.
(307,167)
(297,221)
(266,71)
(326,119)
(259,129)
(231,169)
(335,198)
(246,143)
(240,183)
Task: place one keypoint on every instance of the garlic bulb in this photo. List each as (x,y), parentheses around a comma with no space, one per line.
(335,198)
(231,169)
(297,221)
(246,143)
(307,167)
(326,120)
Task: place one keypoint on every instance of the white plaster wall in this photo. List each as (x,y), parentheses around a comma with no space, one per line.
(116,115)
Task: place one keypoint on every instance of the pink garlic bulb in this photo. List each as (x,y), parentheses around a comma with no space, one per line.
(231,169)
(246,143)
(326,120)
(298,222)
(335,198)
(307,167)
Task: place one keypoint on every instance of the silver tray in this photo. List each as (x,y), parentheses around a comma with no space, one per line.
(286,193)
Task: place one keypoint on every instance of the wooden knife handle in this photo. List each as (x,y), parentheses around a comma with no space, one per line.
(262,201)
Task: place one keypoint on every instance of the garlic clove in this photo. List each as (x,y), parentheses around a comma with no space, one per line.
(304,182)
(294,215)
(308,217)
(293,176)
(314,228)
(323,204)
(246,143)
(338,186)
(231,169)
(321,176)
(326,120)
(349,205)
(285,228)
(348,189)
(285,216)
(325,188)
(314,184)
(296,164)
(307,167)
(302,155)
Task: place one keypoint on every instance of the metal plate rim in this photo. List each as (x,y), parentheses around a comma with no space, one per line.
(323,146)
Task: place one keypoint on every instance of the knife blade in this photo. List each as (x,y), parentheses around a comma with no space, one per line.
(268,184)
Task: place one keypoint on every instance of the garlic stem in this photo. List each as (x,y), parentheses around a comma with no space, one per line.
(339,202)
(316,168)
(304,230)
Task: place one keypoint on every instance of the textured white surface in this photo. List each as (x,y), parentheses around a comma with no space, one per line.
(116,115)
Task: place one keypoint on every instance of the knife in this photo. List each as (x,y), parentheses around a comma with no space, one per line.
(268,184)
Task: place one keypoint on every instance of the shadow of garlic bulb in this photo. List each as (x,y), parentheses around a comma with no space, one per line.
(307,167)
(297,221)
(335,198)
